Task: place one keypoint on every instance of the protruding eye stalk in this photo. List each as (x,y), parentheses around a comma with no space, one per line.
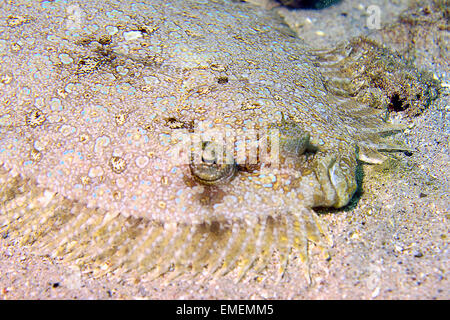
(212,166)
(293,140)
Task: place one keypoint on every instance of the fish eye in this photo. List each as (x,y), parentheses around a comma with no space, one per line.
(294,141)
(209,167)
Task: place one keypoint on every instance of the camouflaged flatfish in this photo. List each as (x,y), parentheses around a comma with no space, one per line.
(101,106)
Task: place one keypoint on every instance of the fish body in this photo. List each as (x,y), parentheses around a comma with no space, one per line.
(173,135)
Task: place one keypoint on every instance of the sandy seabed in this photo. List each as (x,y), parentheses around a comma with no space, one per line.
(392,245)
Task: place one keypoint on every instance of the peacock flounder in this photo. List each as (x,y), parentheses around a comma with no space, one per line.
(106,148)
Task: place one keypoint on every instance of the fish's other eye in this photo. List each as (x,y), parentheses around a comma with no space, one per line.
(294,141)
(210,166)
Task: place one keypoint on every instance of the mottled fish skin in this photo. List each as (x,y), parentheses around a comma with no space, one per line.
(92,95)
